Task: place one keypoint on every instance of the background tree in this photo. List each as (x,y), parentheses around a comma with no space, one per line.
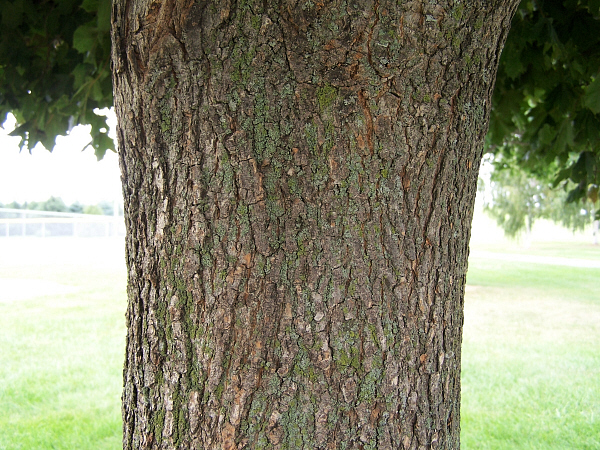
(108,208)
(53,204)
(516,199)
(93,209)
(57,204)
(76,208)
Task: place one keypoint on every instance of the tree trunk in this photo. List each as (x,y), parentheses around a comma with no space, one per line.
(299,181)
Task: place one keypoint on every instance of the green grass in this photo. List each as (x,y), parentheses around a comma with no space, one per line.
(62,357)
(531,357)
(582,250)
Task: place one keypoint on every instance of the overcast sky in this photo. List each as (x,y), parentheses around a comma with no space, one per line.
(67,172)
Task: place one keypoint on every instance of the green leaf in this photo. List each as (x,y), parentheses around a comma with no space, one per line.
(90,5)
(104,10)
(579,170)
(547,134)
(592,164)
(12,14)
(96,92)
(103,141)
(594,6)
(565,136)
(512,63)
(576,194)
(84,38)
(81,75)
(562,175)
(48,141)
(592,96)
(593,194)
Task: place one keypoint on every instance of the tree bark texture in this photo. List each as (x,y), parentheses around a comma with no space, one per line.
(299,180)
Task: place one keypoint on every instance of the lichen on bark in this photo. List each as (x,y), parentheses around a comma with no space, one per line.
(299,181)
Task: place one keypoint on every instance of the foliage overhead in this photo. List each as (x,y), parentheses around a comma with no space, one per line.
(546,107)
(55,69)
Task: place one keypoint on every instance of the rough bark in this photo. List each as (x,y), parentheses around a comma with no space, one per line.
(299,181)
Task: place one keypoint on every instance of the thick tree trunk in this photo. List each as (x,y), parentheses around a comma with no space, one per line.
(299,181)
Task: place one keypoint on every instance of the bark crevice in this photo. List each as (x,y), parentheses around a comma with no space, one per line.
(299,182)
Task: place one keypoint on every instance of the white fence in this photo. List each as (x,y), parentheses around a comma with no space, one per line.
(25,222)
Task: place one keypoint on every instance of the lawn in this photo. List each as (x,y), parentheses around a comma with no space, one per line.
(531,357)
(531,354)
(62,337)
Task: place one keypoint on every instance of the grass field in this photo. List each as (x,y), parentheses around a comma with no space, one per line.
(62,337)
(531,357)
(531,354)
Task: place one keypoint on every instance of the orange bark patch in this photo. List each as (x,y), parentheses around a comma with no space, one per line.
(247,259)
(228,436)
(374,418)
(331,45)
(369,119)
(360,141)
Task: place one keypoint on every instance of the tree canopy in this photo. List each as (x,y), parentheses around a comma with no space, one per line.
(546,105)
(55,69)
(55,72)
